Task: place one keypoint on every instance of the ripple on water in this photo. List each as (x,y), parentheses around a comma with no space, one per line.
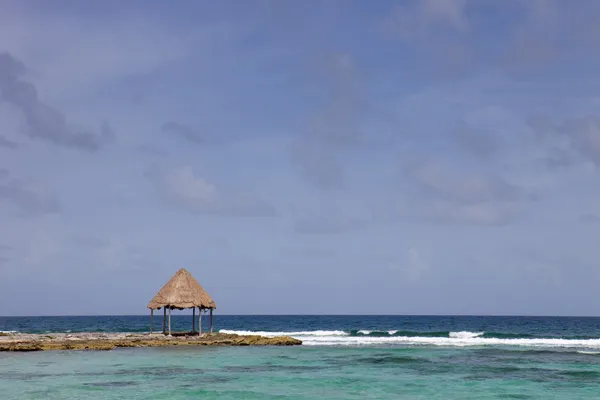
(25,376)
(207,380)
(111,385)
(271,368)
(165,372)
(581,375)
(391,360)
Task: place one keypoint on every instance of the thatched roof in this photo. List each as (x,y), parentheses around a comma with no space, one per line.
(182,291)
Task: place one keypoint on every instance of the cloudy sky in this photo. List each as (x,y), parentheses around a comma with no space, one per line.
(416,157)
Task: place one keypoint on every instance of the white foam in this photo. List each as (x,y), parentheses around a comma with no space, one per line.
(365,332)
(8,331)
(293,334)
(594,353)
(448,342)
(465,334)
(455,339)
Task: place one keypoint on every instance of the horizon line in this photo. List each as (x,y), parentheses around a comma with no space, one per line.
(314,315)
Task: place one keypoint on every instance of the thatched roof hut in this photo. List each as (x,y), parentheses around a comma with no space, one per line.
(180,292)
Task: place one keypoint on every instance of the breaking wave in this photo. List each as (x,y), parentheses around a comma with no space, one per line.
(465,335)
(409,338)
(271,334)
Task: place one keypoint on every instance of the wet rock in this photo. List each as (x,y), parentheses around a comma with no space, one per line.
(97,341)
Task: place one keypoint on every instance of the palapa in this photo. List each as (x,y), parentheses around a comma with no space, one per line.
(180,292)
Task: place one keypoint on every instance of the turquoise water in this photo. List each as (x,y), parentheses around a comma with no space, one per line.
(301,373)
(343,357)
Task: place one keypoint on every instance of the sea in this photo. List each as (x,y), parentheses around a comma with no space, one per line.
(343,357)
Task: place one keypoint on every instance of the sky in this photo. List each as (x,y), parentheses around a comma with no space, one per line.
(301,157)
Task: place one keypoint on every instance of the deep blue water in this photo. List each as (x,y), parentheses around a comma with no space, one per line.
(494,326)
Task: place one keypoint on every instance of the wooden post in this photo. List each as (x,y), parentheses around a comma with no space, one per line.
(169,321)
(211,321)
(164,320)
(151,315)
(193,319)
(200,321)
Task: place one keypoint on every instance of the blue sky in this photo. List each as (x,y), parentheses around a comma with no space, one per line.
(416,157)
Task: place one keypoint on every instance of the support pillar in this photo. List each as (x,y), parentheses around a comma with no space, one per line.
(169,321)
(200,321)
(193,319)
(164,320)
(151,318)
(211,310)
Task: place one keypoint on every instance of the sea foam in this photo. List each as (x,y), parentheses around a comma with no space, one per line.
(454,339)
(465,334)
(293,334)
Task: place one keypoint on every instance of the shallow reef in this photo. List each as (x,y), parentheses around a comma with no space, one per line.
(110,341)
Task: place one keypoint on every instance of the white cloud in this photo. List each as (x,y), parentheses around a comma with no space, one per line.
(485,213)
(584,135)
(42,120)
(183,185)
(334,128)
(70,55)
(410,264)
(184,131)
(328,224)
(28,197)
(470,197)
(181,188)
(43,248)
(414,267)
(7,143)
(470,188)
(426,15)
(451,12)
(574,139)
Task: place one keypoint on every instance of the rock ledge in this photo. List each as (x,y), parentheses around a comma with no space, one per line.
(110,341)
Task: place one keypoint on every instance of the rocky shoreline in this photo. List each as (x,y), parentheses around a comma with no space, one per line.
(109,341)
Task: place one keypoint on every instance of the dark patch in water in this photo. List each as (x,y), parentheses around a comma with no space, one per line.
(217,379)
(42,394)
(25,376)
(90,373)
(391,360)
(44,363)
(161,372)
(108,385)
(503,370)
(581,375)
(271,368)
(541,375)
(207,379)
(284,357)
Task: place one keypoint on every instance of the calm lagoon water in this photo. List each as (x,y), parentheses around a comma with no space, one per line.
(345,358)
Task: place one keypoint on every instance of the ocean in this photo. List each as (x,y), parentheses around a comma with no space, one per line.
(343,357)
